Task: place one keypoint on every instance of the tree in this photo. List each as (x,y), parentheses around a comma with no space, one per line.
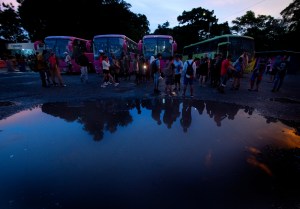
(74,18)
(266,30)
(196,25)
(164,29)
(291,17)
(199,19)
(10,22)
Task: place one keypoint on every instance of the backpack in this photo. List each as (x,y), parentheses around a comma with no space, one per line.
(189,70)
(154,67)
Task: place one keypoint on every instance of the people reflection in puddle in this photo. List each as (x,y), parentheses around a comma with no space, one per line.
(108,115)
(186,116)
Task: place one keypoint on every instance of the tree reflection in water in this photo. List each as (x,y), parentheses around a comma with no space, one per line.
(107,115)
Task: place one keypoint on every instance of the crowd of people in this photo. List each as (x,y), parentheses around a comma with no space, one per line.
(179,76)
(217,72)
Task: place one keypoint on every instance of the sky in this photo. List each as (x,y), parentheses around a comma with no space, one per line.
(161,11)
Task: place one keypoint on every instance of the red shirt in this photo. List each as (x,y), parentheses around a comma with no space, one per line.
(224,66)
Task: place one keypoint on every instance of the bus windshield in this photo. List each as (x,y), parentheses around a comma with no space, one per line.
(58,46)
(152,46)
(113,45)
(110,45)
(73,46)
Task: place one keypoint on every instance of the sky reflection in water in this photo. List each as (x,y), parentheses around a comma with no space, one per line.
(159,153)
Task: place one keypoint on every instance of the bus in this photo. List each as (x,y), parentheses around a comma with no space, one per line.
(151,45)
(226,44)
(74,46)
(116,44)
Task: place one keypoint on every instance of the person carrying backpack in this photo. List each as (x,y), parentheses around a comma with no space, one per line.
(189,71)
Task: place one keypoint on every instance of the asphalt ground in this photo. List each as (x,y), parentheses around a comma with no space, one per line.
(23,90)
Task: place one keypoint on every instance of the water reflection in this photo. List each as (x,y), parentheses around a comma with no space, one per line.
(154,153)
(107,115)
(96,117)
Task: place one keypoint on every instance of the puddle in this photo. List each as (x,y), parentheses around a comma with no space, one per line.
(152,153)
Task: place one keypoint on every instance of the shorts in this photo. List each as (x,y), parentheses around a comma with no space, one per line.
(187,81)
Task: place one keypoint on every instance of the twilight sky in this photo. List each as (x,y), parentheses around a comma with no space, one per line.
(161,11)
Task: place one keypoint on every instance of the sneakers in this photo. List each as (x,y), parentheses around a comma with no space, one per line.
(103,86)
(108,83)
(116,84)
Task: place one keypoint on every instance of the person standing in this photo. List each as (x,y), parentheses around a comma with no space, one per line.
(238,65)
(116,68)
(54,69)
(214,71)
(204,68)
(189,70)
(107,77)
(169,72)
(68,61)
(41,68)
(257,73)
(156,71)
(280,74)
(178,69)
(83,61)
(225,67)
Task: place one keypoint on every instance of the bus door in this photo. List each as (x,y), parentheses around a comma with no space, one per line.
(223,48)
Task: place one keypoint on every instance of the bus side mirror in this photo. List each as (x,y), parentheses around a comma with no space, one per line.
(125,46)
(174,45)
(38,44)
(88,46)
(140,46)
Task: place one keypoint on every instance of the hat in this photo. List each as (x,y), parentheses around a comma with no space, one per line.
(66,53)
(101,51)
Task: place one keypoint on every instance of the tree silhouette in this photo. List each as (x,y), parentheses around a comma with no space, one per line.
(267,31)
(81,18)
(10,22)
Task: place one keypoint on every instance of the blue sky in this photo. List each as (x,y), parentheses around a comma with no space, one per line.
(159,11)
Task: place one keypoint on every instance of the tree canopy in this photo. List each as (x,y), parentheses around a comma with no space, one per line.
(36,19)
(74,18)
(11,28)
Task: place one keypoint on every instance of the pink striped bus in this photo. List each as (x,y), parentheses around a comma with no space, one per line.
(151,45)
(113,44)
(73,45)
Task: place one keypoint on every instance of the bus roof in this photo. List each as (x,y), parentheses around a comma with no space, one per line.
(218,37)
(113,36)
(65,37)
(157,36)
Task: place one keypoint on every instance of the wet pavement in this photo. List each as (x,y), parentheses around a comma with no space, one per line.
(83,146)
(24,90)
